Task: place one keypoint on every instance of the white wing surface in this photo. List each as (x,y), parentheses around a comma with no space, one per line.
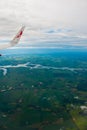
(14,41)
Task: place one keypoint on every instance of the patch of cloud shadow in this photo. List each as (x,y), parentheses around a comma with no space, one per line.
(51,31)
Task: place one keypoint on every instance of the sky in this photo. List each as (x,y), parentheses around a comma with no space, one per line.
(49,23)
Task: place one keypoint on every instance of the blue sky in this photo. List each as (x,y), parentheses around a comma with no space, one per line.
(49,23)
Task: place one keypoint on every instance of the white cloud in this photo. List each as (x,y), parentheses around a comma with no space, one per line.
(67,19)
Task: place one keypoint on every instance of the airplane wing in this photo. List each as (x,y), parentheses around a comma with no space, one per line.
(14,41)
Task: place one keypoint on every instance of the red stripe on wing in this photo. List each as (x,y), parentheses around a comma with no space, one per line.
(19,34)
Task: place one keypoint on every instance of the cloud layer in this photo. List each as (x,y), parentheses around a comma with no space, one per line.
(49,23)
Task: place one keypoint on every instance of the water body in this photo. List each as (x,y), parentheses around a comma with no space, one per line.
(36,66)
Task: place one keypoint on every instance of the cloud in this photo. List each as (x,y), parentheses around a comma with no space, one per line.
(50,22)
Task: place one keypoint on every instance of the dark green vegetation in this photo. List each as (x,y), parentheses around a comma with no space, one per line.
(44,95)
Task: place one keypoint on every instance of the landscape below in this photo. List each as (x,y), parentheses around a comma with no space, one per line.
(43,90)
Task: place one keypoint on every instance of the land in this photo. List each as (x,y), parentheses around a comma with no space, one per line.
(48,93)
